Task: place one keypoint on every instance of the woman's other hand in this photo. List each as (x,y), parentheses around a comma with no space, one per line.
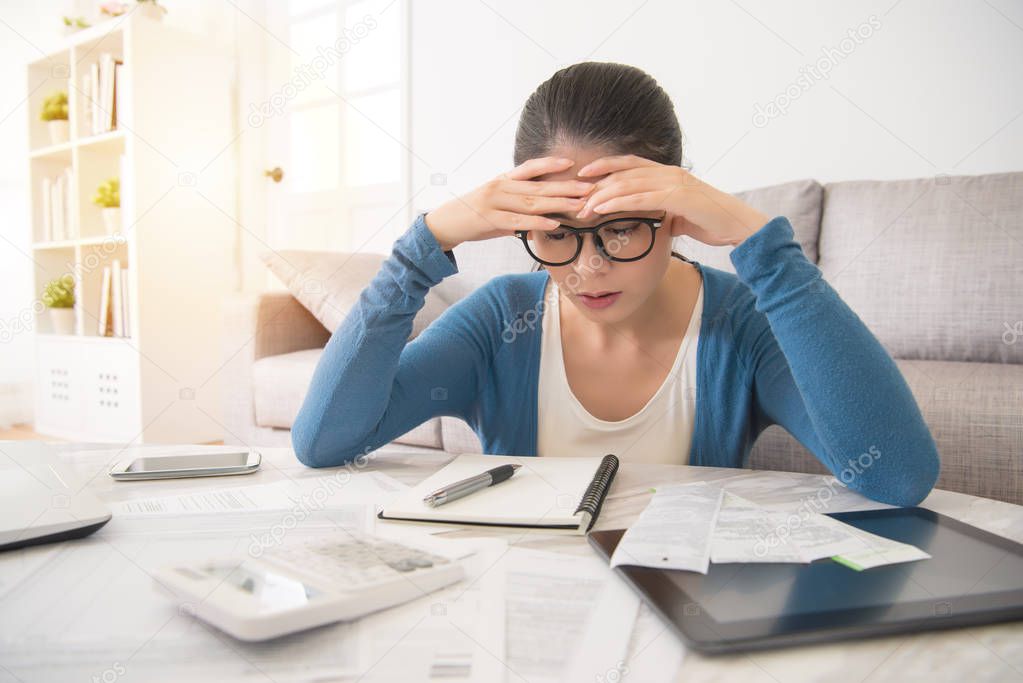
(509,202)
(692,207)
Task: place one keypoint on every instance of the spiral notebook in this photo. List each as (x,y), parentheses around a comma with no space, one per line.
(550,493)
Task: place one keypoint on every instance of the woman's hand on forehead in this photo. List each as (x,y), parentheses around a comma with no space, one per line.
(691,206)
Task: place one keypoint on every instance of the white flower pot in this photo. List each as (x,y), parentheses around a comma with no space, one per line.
(58,131)
(63,320)
(112,219)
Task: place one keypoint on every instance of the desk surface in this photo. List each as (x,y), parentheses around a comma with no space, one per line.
(985,653)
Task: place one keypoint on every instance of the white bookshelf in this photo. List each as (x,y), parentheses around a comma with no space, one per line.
(158,382)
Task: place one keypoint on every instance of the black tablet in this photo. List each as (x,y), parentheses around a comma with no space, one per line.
(973,577)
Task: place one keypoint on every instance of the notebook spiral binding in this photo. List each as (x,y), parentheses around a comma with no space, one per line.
(593,498)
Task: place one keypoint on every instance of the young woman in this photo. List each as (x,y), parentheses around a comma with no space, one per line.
(616,344)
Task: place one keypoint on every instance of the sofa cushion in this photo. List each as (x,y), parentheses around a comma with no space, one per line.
(932,265)
(280,383)
(458,437)
(975,414)
(329,283)
(798,200)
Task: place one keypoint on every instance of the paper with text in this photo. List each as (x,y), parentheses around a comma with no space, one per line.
(674,531)
(568,618)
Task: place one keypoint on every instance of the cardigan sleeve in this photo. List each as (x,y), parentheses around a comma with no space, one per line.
(371,385)
(822,375)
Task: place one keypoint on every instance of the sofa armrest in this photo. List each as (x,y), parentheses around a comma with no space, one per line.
(255,326)
(278,324)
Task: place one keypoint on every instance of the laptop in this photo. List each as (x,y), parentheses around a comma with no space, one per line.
(44,502)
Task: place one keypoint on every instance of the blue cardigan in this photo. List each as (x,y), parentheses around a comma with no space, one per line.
(777,345)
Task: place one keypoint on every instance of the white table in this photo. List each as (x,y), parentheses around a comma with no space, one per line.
(984,653)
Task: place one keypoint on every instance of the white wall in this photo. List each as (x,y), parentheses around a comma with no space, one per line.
(935,88)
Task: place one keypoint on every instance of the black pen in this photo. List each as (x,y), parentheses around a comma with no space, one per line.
(464,487)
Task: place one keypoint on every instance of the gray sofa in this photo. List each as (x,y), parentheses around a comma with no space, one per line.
(933,266)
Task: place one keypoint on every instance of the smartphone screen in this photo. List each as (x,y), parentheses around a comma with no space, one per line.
(188,462)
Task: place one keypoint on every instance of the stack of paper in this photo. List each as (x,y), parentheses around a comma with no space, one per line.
(687,526)
(567,618)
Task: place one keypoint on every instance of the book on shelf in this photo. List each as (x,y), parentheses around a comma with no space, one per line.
(113,301)
(47,204)
(116,109)
(106,99)
(126,331)
(104,304)
(55,200)
(94,118)
(70,225)
(57,197)
(117,304)
(103,96)
(57,212)
(88,92)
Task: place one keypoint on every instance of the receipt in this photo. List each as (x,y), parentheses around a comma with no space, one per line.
(745,532)
(690,525)
(674,531)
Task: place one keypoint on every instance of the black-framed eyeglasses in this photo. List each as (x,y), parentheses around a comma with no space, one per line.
(621,239)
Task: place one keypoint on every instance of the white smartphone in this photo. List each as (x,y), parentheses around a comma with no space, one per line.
(214,464)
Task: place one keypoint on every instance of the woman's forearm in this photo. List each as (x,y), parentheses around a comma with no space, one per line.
(352,385)
(846,384)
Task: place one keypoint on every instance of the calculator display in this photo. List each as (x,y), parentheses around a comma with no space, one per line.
(269,588)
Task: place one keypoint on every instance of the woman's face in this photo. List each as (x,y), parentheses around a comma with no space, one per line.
(591,273)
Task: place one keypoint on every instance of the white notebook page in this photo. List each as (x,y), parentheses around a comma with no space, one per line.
(543,492)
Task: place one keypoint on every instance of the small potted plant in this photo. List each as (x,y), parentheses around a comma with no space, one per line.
(108,196)
(55,114)
(73,24)
(113,8)
(59,298)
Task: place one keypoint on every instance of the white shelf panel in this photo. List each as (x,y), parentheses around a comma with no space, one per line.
(84,242)
(101,139)
(48,337)
(59,244)
(60,150)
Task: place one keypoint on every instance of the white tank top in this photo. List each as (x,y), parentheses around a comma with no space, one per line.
(661,432)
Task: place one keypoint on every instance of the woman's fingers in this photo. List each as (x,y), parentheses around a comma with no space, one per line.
(611,164)
(534,167)
(516,202)
(532,204)
(641,201)
(548,188)
(628,174)
(511,221)
(609,192)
